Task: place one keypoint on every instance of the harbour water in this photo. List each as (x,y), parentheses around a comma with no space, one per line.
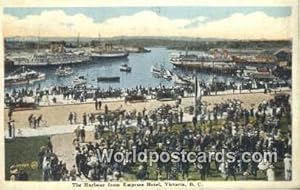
(140,75)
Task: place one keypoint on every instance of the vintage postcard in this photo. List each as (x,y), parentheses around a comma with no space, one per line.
(150,95)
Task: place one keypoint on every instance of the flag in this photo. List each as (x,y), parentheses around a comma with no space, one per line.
(196,93)
(196,86)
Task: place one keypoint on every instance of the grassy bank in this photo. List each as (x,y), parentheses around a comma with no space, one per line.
(24,153)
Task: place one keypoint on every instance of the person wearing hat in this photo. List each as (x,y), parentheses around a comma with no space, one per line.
(181,115)
(73,173)
(13,130)
(49,145)
(10,113)
(96,103)
(99,104)
(70,118)
(30,120)
(77,132)
(84,119)
(105,109)
(82,134)
(10,128)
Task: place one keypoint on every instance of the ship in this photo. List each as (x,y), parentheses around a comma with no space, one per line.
(213,61)
(137,49)
(50,59)
(108,52)
(56,55)
(23,75)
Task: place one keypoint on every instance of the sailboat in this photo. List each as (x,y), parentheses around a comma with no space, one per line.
(168,75)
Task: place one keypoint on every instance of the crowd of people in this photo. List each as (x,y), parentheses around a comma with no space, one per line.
(83,93)
(256,130)
(265,128)
(52,168)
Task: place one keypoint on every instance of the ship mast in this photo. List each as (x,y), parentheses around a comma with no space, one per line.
(38,46)
(78,36)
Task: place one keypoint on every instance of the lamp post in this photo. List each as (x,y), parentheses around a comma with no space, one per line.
(197,98)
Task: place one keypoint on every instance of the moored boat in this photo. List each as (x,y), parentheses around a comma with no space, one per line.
(23,76)
(180,81)
(168,75)
(125,68)
(209,62)
(108,79)
(161,73)
(63,71)
(51,59)
(80,80)
(109,52)
(156,71)
(108,55)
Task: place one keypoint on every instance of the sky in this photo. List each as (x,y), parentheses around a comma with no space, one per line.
(200,22)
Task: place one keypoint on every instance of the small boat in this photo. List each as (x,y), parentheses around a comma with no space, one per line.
(168,75)
(147,50)
(63,71)
(156,71)
(23,76)
(125,68)
(81,80)
(180,81)
(108,79)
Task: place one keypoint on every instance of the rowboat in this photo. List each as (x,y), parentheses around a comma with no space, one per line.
(108,79)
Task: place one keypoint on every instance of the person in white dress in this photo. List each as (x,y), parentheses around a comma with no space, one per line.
(287,167)
(271,173)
